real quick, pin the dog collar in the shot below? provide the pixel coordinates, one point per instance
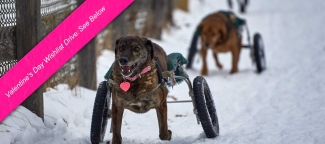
(145, 70)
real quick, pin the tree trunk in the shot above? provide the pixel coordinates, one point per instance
(159, 10)
(28, 35)
(119, 27)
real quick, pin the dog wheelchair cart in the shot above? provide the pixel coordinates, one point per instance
(256, 49)
(199, 92)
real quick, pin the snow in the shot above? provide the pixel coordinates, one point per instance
(284, 104)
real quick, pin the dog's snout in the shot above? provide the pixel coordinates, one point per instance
(206, 45)
(124, 60)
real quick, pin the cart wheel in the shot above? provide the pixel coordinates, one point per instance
(190, 58)
(259, 53)
(242, 7)
(205, 107)
(193, 48)
(246, 2)
(100, 114)
(230, 4)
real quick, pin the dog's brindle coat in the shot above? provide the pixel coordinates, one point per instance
(218, 33)
(140, 98)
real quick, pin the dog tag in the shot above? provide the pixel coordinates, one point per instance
(125, 86)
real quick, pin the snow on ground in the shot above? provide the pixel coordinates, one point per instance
(284, 104)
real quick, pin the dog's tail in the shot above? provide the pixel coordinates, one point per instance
(174, 61)
(193, 48)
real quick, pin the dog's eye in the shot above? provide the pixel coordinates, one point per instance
(136, 49)
(121, 48)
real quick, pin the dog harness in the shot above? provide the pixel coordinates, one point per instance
(233, 22)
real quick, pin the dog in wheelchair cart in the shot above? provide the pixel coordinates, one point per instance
(137, 83)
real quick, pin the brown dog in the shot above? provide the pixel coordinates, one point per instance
(135, 63)
(219, 33)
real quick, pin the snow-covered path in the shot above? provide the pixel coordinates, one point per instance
(284, 104)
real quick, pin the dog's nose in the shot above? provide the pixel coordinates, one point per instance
(124, 60)
(206, 45)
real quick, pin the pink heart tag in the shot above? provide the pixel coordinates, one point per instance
(125, 86)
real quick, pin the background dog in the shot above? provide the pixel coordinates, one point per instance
(133, 55)
(219, 33)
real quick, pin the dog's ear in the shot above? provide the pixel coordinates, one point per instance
(116, 43)
(223, 32)
(149, 46)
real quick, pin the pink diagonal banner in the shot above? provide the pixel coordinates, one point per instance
(55, 50)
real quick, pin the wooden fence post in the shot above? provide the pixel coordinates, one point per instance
(28, 35)
(87, 64)
(183, 5)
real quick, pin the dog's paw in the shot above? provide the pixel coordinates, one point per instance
(166, 136)
(204, 73)
(233, 71)
(117, 140)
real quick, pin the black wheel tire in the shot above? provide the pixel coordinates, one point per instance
(230, 4)
(190, 58)
(193, 48)
(246, 2)
(242, 8)
(259, 53)
(205, 107)
(100, 114)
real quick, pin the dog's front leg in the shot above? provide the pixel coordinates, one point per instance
(164, 133)
(117, 113)
(204, 55)
(219, 65)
